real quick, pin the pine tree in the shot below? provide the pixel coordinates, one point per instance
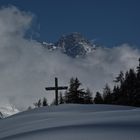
(137, 95)
(130, 87)
(120, 78)
(61, 99)
(98, 98)
(44, 103)
(88, 97)
(38, 103)
(107, 96)
(115, 95)
(29, 108)
(74, 94)
(70, 93)
(138, 70)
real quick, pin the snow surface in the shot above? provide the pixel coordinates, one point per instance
(8, 110)
(73, 122)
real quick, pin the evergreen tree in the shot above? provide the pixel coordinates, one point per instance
(74, 93)
(107, 96)
(44, 103)
(129, 88)
(88, 97)
(120, 78)
(137, 95)
(115, 94)
(138, 70)
(71, 92)
(29, 108)
(61, 99)
(98, 98)
(38, 103)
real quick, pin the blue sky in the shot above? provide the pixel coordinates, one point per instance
(109, 22)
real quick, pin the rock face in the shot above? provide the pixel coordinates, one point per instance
(75, 45)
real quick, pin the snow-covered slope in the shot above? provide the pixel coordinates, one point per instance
(73, 122)
(7, 110)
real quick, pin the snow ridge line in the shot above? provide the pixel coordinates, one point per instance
(92, 126)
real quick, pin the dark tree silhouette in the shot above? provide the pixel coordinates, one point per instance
(38, 103)
(74, 94)
(44, 103)
(127, 90)
(88, 97)
(137, 96)
(120, 78)
(115, 94)
(138, 69)
(61, 99)
(98, 98)
(107, 97)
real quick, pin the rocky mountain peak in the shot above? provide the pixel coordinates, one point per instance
(75, 44)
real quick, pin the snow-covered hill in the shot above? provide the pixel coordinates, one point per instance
(73, 122)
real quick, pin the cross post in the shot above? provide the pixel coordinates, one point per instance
(56, 88)
(56, 91)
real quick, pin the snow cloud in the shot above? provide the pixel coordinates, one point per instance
(26, 67)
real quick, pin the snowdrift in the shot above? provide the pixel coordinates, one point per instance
(73, 122)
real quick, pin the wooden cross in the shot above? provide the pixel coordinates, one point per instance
(56, 88)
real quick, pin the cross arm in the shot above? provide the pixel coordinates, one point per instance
(58, 88)
(50, 88)
(61, 88)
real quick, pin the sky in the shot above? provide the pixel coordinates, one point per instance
(108, 22)
(26, 67)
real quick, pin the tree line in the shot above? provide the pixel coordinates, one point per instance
(126, 91)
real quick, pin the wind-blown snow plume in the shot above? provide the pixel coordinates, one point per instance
(26, 67)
